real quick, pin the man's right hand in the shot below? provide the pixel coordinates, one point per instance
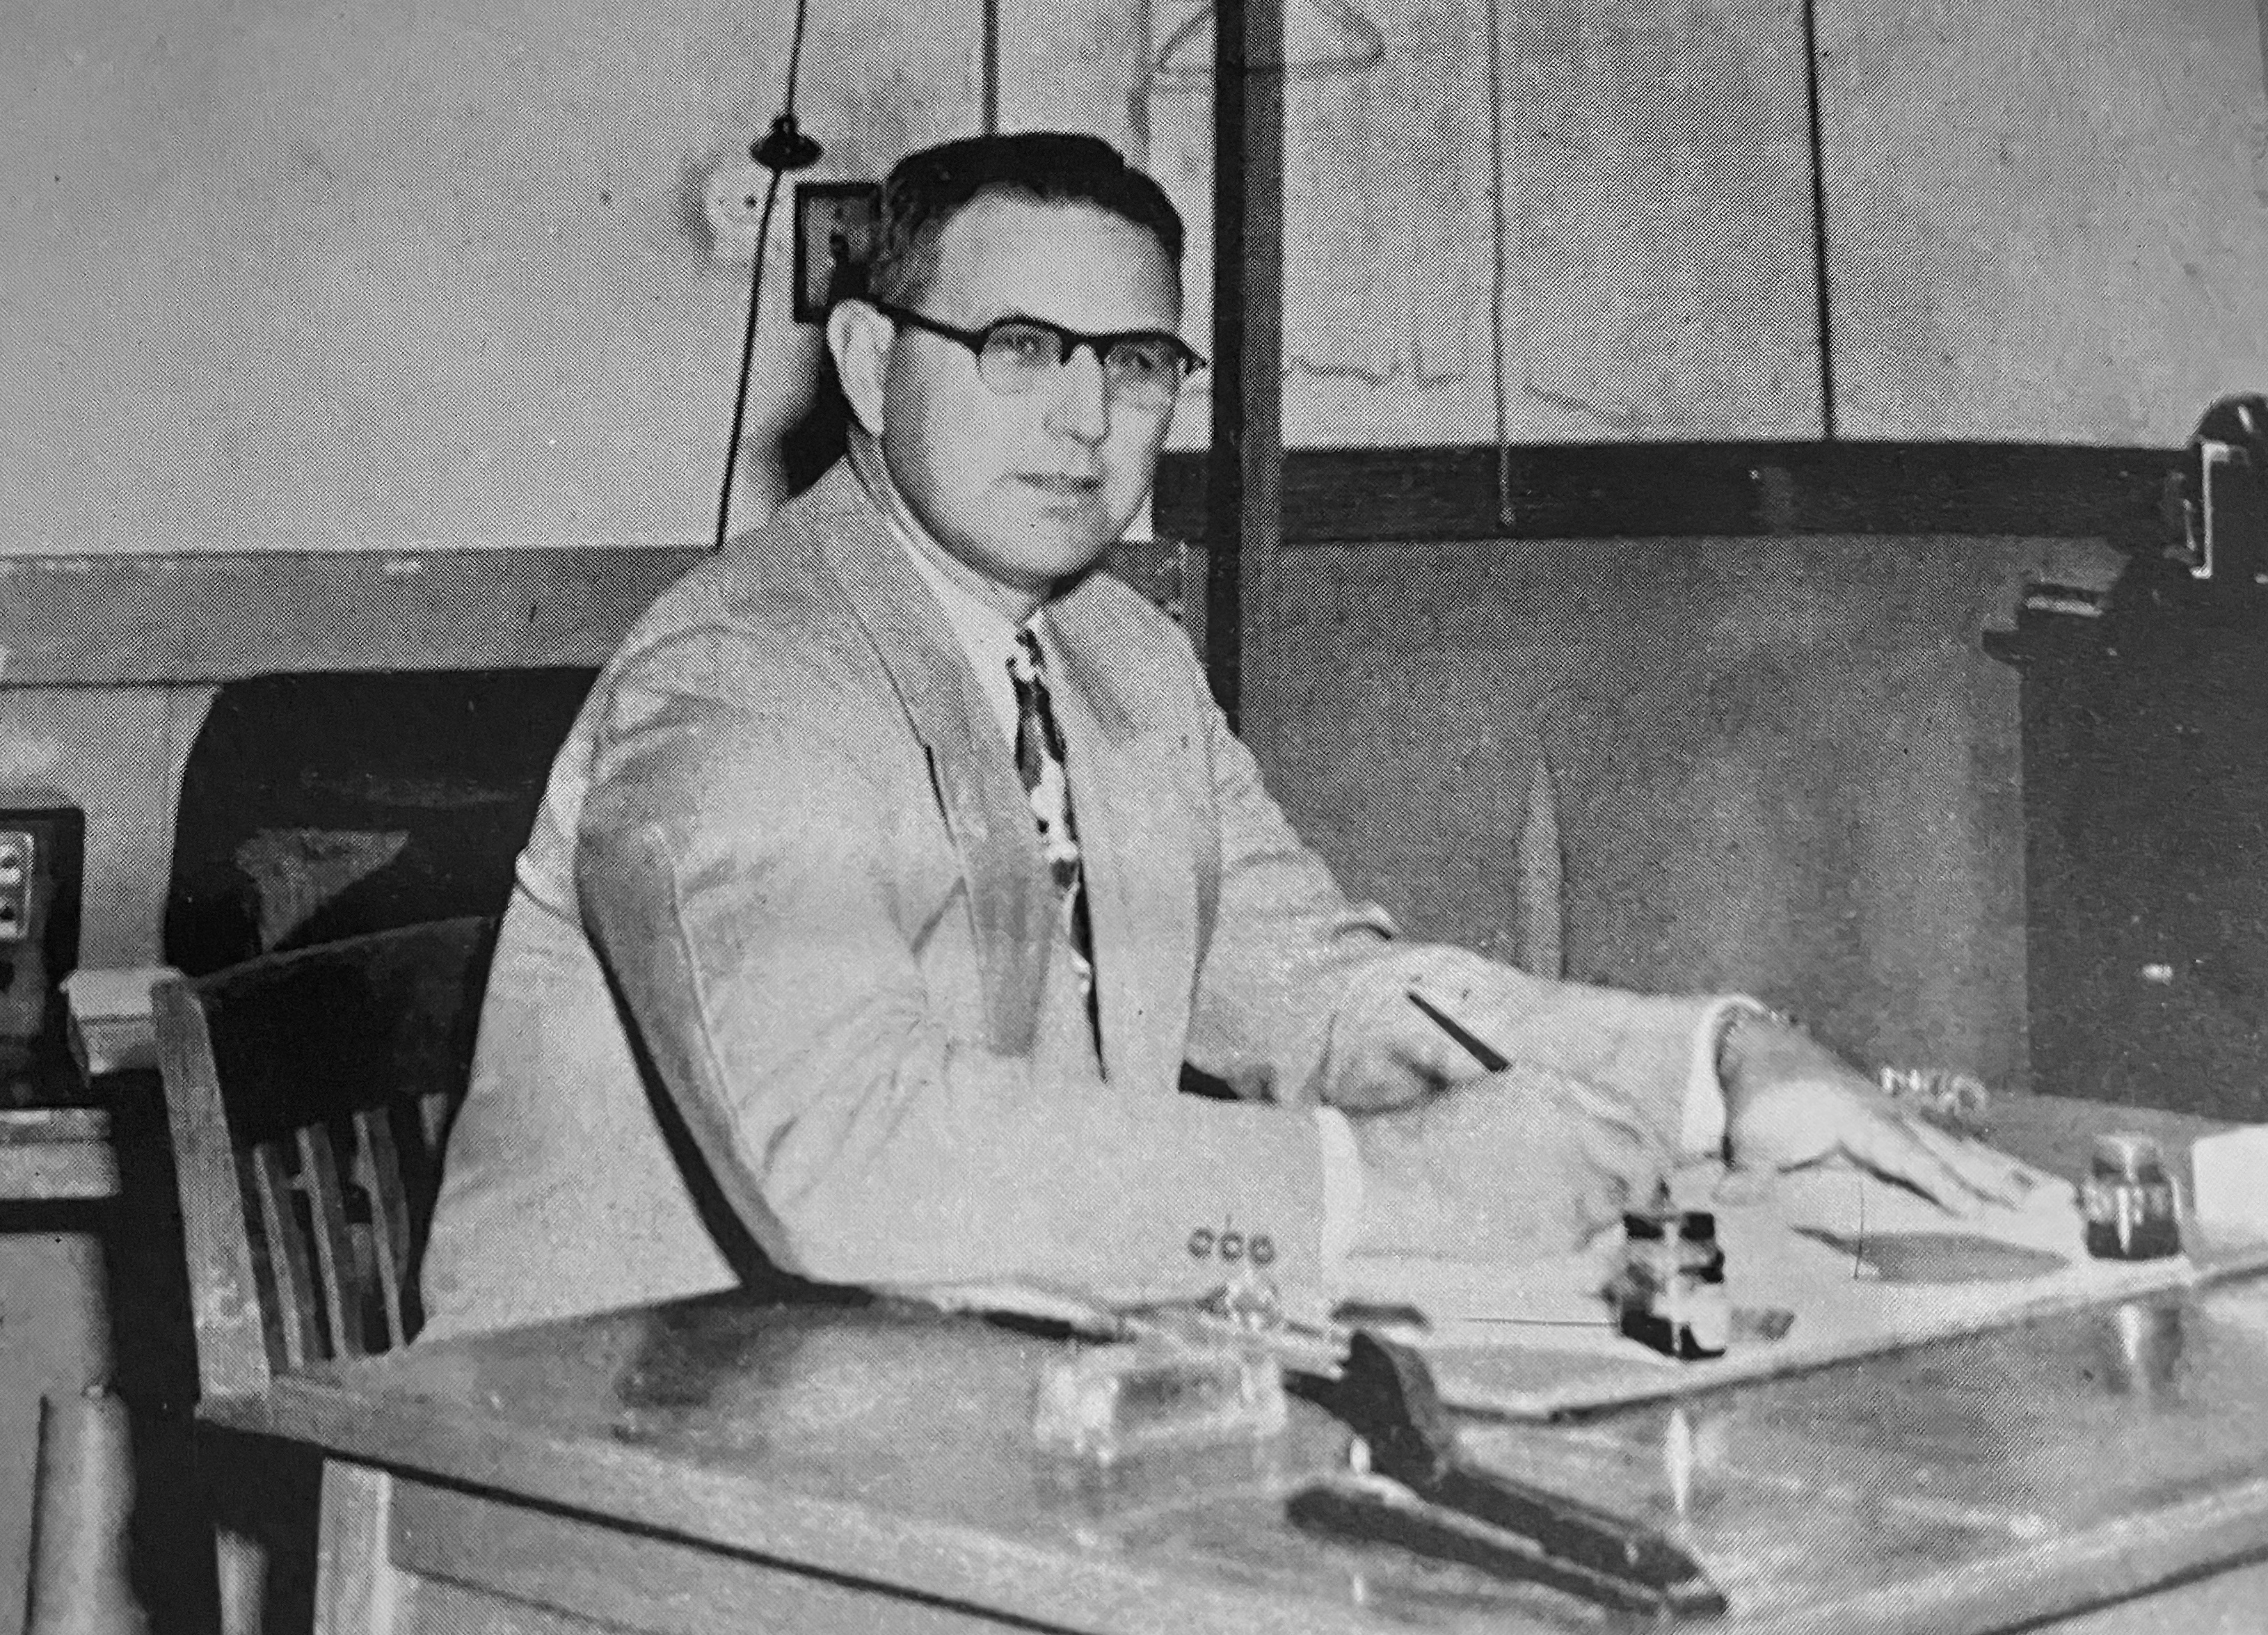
(1385, 1052)
(1514, 1165)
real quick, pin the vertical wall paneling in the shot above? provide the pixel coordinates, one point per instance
(1655, 191)
(1655, 169)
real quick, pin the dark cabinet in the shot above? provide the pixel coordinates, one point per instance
(2145, 800)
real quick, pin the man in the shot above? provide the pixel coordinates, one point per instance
(900, 860)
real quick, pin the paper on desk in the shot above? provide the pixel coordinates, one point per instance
(1796, 1244)
(2228, 1200)
(1553, 1304)
(1864, 1266)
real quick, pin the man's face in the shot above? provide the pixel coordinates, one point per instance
(1028, 489)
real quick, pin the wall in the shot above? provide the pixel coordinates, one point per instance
(2045, 221)
(289, 276)
(286, 274)
(109, 663)
(1652, 185)
(117, 753)
(1783, 765)
(292, 274)
(2047, 216)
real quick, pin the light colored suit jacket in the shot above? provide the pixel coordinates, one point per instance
(782, 968)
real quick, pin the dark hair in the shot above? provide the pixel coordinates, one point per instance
(927, 189)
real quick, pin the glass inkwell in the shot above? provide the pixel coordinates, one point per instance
(2128, 1201)
(1669, 1292)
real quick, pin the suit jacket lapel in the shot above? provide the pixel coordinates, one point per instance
(1011, 897)
(1135, 843)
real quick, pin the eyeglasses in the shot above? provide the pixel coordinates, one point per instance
(1141, 368)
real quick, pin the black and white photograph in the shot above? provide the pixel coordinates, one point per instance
(1309, 817)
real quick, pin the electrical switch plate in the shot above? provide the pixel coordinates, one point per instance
(733, 201)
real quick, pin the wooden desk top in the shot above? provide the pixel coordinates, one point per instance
(1962, 1486)
(50, 1154)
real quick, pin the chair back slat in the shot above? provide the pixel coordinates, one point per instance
(393, 1194)
(308, 1095)
(339, 1284)
(434, 1113)
(282, 1244)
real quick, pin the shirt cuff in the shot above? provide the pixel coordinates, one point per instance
(1342, 1193)
(1701, 1133)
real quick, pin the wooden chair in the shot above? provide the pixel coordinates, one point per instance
(308, 1094)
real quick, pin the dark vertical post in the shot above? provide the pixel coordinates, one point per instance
(1244, 471)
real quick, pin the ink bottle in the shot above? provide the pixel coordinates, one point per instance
(1669, 1293)
(1641, 1283)
(2128, 1201)
(1704, 1316)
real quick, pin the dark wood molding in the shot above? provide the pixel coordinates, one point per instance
(1666, 489)
(135, 620)
(1243, 472)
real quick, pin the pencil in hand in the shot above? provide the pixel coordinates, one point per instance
(1479, 1048)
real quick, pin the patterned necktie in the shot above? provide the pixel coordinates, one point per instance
(1040, 763)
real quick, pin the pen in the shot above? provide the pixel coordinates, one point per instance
(1479, 1048)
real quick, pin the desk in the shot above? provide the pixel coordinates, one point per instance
(59, 1175)
(718, 1464)
(56, 1154)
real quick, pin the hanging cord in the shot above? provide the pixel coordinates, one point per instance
(1822, 269)
(783, 149)
(1499, 253)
